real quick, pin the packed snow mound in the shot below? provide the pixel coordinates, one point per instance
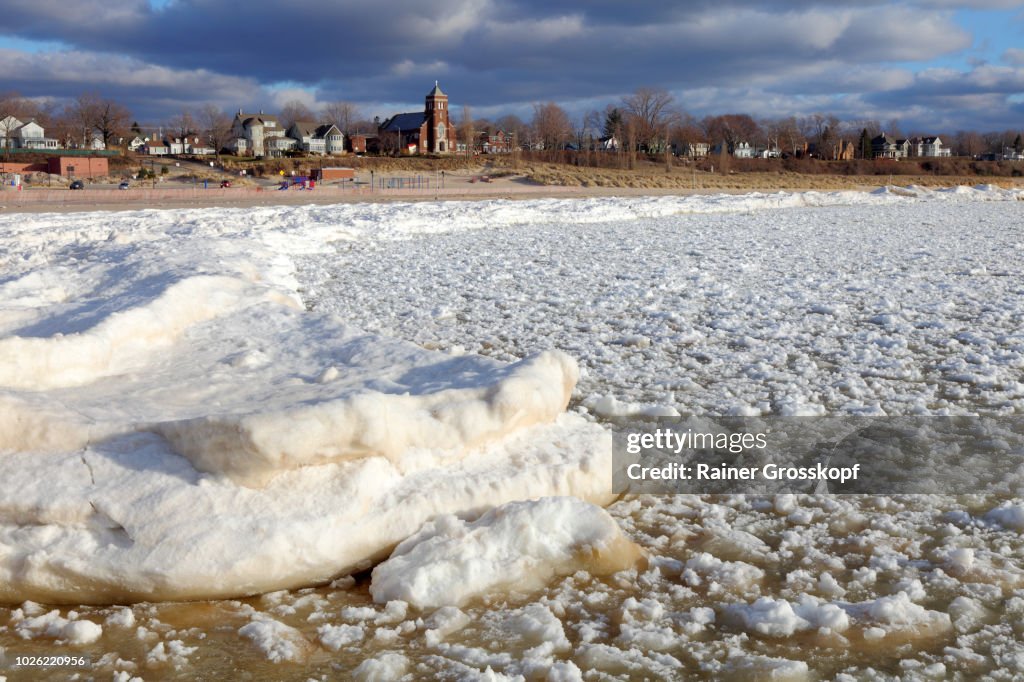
(252, 448)
(517, 546)
(124, 341)
(175, 424)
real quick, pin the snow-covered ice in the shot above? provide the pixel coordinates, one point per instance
(902, 301)
(518, 546)
(167, 400)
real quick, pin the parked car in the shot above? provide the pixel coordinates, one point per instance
(77, 184)
(124, 185)
(225, 183)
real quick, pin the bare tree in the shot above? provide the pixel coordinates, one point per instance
(651, 110)
(183, 124)
(342, 114)
(731, 129)
(216, 126)
(467, 129)
(551, 124)
(107, 118)
(293, 111)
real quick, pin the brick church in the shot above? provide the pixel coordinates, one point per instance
(427, 132)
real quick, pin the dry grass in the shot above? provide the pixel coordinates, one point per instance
(654, 177)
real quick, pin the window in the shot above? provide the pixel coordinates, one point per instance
(440, 131)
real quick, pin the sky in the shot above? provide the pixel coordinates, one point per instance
(932, 65)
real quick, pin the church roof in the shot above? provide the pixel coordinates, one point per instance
(436, 92)
(409, 122)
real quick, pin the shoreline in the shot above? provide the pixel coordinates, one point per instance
(83, 201)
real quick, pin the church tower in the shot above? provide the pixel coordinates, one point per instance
(440, 134)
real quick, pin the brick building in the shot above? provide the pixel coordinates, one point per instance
(78, 166)
(428, 132)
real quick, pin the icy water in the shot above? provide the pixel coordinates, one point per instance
(899, 309)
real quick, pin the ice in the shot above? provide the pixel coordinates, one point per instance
(516, 546)
(1009, 516)
(169, 397)
(277, 641)
(384, 668)
(837, 303)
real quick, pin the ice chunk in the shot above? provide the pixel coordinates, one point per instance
(519, 546)
(254, 447)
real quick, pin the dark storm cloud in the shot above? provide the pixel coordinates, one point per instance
(501, 53)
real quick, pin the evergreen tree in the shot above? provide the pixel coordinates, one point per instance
(865, 145)
(136, 128)
(613, 123)
(1018, 144)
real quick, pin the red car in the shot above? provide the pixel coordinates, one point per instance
(225, 183)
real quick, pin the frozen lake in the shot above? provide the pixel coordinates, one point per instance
(895, 303)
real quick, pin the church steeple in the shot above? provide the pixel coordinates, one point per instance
(440, 135)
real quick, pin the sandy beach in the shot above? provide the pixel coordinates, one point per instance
(458, 186)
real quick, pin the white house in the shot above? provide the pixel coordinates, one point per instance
(136, 142)
(1011, 154)
(27, 135)
(322, 138)
(932, 146)
(175, 145)
(696, 149)
(196, 146)
(743, 150)
(154, 147)
(258, 134)
(30, 136)
(8, 124)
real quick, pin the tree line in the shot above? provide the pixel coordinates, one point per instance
(648, 120)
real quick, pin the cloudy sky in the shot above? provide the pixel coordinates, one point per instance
(935, 65)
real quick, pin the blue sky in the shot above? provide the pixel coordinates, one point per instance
(933, 65)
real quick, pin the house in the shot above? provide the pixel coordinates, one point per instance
(886, 147)
(742, 150)
(196, 146)
(8, 124)
(497, 142)
(429, 131)
(258, 135)
(695, 149)
(1011, 154)
(136, 143)
(30, 136)
(932, 146)
(608, 144)
(27, 135)
(317, 138)
(175, 145)
(154, 147)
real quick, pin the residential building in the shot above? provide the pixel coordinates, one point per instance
(932, 146)
(317, 138)
(27, 135)
(154, 147)
(258, 135)
(196, 146)
(695, 149)
(429, 132)
(886, 147)
(497, 142)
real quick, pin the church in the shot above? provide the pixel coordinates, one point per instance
(428, 132)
